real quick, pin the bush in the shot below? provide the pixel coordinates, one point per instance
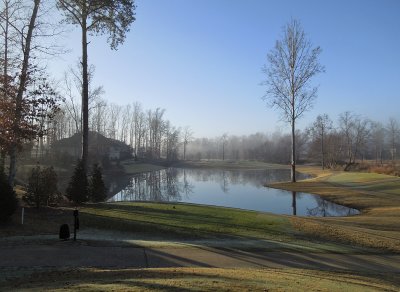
(42, 187)
(8, 200)
(385, 169)
(97, 189)
(77, 190)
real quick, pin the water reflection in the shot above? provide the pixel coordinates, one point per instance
(237, 188)
(163, 186)
(294, 203)
(325, 208)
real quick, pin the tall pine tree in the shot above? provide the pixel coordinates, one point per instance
(77, 190)
(97, 189)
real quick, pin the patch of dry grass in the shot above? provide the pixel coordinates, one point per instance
(202, 279)
(377, 196)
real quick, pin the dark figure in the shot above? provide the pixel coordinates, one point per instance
(76, 222)
(64, 232)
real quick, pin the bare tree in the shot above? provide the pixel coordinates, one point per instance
(393, 130)
(292, 64)
(187, 138)
(97, 17)
(23, 76)
(320, 128)
(378, 139)
(224, 141)
(355, 132)
(114, 113)
(138, 127)
(72, 91)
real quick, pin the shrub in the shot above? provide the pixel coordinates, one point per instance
(42, 187)
(8, 200)
(77, 190)
(97, 189)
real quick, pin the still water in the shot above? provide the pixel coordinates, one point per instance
(234, 188)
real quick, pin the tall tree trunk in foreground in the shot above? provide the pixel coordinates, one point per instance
(20, 93)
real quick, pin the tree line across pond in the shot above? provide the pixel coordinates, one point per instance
(350, 139)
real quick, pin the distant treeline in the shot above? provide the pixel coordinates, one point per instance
(343, 141)
(350, 138)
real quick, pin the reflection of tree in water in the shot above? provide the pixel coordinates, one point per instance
(294, 205)
(161, 186)
(325, 209)
(224, 182)
(187, 186)
(172, 183)
(257, 178)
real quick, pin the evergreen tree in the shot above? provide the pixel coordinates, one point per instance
(97, 189)
(77, 190)
(49, 180)
(34, 195)
(8, 200)
(42, 187)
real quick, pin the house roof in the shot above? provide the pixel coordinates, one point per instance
(95, 139)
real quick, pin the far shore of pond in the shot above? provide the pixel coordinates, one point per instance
(131, 167)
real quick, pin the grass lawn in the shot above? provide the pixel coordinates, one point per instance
(186, 220)
(376, 195)
(378, 226)
(186, 223)
(202, 279)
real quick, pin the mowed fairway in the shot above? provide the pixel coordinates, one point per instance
(377, 196)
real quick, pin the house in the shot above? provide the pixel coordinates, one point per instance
(99, 147)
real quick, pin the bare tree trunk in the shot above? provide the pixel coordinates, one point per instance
(85, 95)
(322, 149)
(5, 73)
(21, 90)
(293, 164)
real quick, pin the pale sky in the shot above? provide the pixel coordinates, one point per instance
(201, 60)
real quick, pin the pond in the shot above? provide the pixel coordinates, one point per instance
(242, 189)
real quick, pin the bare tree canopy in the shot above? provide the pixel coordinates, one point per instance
(98, 17)
(319, 129)
(187, 138)
(291, 65)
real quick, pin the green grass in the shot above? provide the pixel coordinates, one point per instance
(379, 183)
(201, 279)
(189, 223)
(187, 219)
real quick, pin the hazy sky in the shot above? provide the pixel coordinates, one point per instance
(201, 60)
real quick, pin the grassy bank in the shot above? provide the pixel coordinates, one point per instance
(202, 279)
(163, 223)
(377, 196)
(134, 167)
(184, 220)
